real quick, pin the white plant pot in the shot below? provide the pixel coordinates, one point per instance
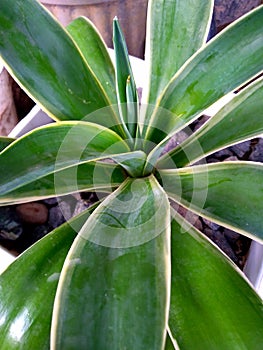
(254, 266)
(6, 259)
(35, 118)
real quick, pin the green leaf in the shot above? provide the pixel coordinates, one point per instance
(228, 193)
(132, 162)
(95, 52)
(119, 263)
(172, 37)
(212, 304)
(5, 141)
(132, 111)
(99, 176)
(41, 55)
(53, 148)
(224, 63)
(125, 83)
(240, 120)
(28, 287)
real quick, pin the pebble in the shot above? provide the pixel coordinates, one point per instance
(200, 121)
(175, 141)
(51, 201)
(241, 149)
(59, 214)
(231, 159)
(211, 224)
(80, 207)
(219, 239)
(223, 154)
(190, 217)
(10, 224)
(32, 213)
(257, 153)
(231, 236)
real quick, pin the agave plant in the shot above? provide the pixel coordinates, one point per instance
(130, 272)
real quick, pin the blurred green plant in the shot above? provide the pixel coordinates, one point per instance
(131, 272)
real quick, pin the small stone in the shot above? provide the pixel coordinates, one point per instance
(231, 159)
(211, 160)
(208, 232)
(211, 224)
(10, 224)
(239, 244)
(223, 154)
(241, 149)
(51, 201)
(257, 153)
(175, 140)
(231, 236)
(219, 239)
(198, 224)
(56, 218)
(80, 207)
(59, 214)
(192, 218)
(33, 213)
(223, 244)
(77, 196)
(201, 121)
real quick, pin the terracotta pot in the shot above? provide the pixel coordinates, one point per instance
(8, 115)
(101, 13)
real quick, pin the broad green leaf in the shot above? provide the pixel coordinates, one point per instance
(99, 176)
(95, 52)
(125, 83)
(212, 304)
(175, 31)
(28, 287)
(41, 55)
(224, 63)
(5, 141)
(241, 119)
(53, 148)
(228, 193)
(114, 287)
